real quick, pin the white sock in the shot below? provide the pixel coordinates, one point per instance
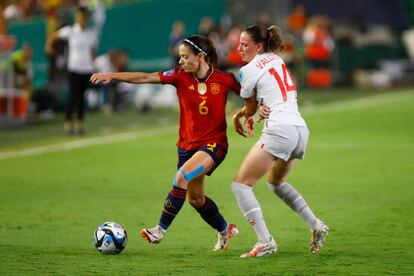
(295, 201)
(250, 208)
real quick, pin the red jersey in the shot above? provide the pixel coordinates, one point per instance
(202, 106)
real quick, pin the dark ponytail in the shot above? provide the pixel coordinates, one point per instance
(270, 37)
(84, 11)
(200, 44)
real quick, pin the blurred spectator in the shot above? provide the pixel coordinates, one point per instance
(44, 103)
(296, 20)
(82, 42)
(18, 10)
(114, 96)
(219, 40)
(21, 60)
(264, 19)
(234, 58)
(121, 60)
(294, 47)
(50, 8)
(120, 100)
(106, 62)
(98, 15)
(319, 47)
(14, 11)
(408, 39)
(174, 40)
(319, 44)
(206, 26)
(92, 4)
(3, 21)
(289, 52)
(29, 8)
(57, 84)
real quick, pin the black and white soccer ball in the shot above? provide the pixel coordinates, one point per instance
(110, 238)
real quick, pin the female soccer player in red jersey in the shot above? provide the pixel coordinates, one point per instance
(202, 145)
(265, 78)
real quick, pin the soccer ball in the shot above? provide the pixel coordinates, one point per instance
(110, 238)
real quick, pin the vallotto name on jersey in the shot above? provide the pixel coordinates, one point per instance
(265, 60)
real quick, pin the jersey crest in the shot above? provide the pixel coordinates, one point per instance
(214, 88)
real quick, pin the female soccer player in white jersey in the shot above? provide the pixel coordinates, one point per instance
(266, 79)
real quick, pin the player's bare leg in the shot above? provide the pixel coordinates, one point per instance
(256, 164)
(195, 192)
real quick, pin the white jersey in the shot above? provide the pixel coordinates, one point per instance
(267, 77)
(81, 43)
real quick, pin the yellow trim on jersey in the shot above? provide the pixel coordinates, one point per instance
(212, 71)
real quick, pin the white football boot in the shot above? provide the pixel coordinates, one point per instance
(318, 235)
(225, 237)
(262, 249)
(153, 235)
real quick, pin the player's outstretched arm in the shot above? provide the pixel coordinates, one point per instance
(131, 77)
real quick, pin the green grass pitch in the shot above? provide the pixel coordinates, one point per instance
(358, 176)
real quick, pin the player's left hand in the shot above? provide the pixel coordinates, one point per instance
(264, 112)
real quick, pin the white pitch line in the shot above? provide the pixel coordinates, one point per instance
(82, 143)
(321, 145)
(358, 103)
(358, 146)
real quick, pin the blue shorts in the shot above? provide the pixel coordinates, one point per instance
(217, 152)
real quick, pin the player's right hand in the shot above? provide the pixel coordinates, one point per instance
(101, 78)
(238, 127)
(249, 123)
(264, 112)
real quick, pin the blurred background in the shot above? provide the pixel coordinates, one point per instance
(330, 46)
(353, 65)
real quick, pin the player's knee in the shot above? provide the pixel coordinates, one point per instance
(276, 180)
(180, 180)
(196, 201)
(237, 186)
(246, 180)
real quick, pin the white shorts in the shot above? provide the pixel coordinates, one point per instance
(285, 141)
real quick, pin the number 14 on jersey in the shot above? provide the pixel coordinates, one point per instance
(287, 84)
